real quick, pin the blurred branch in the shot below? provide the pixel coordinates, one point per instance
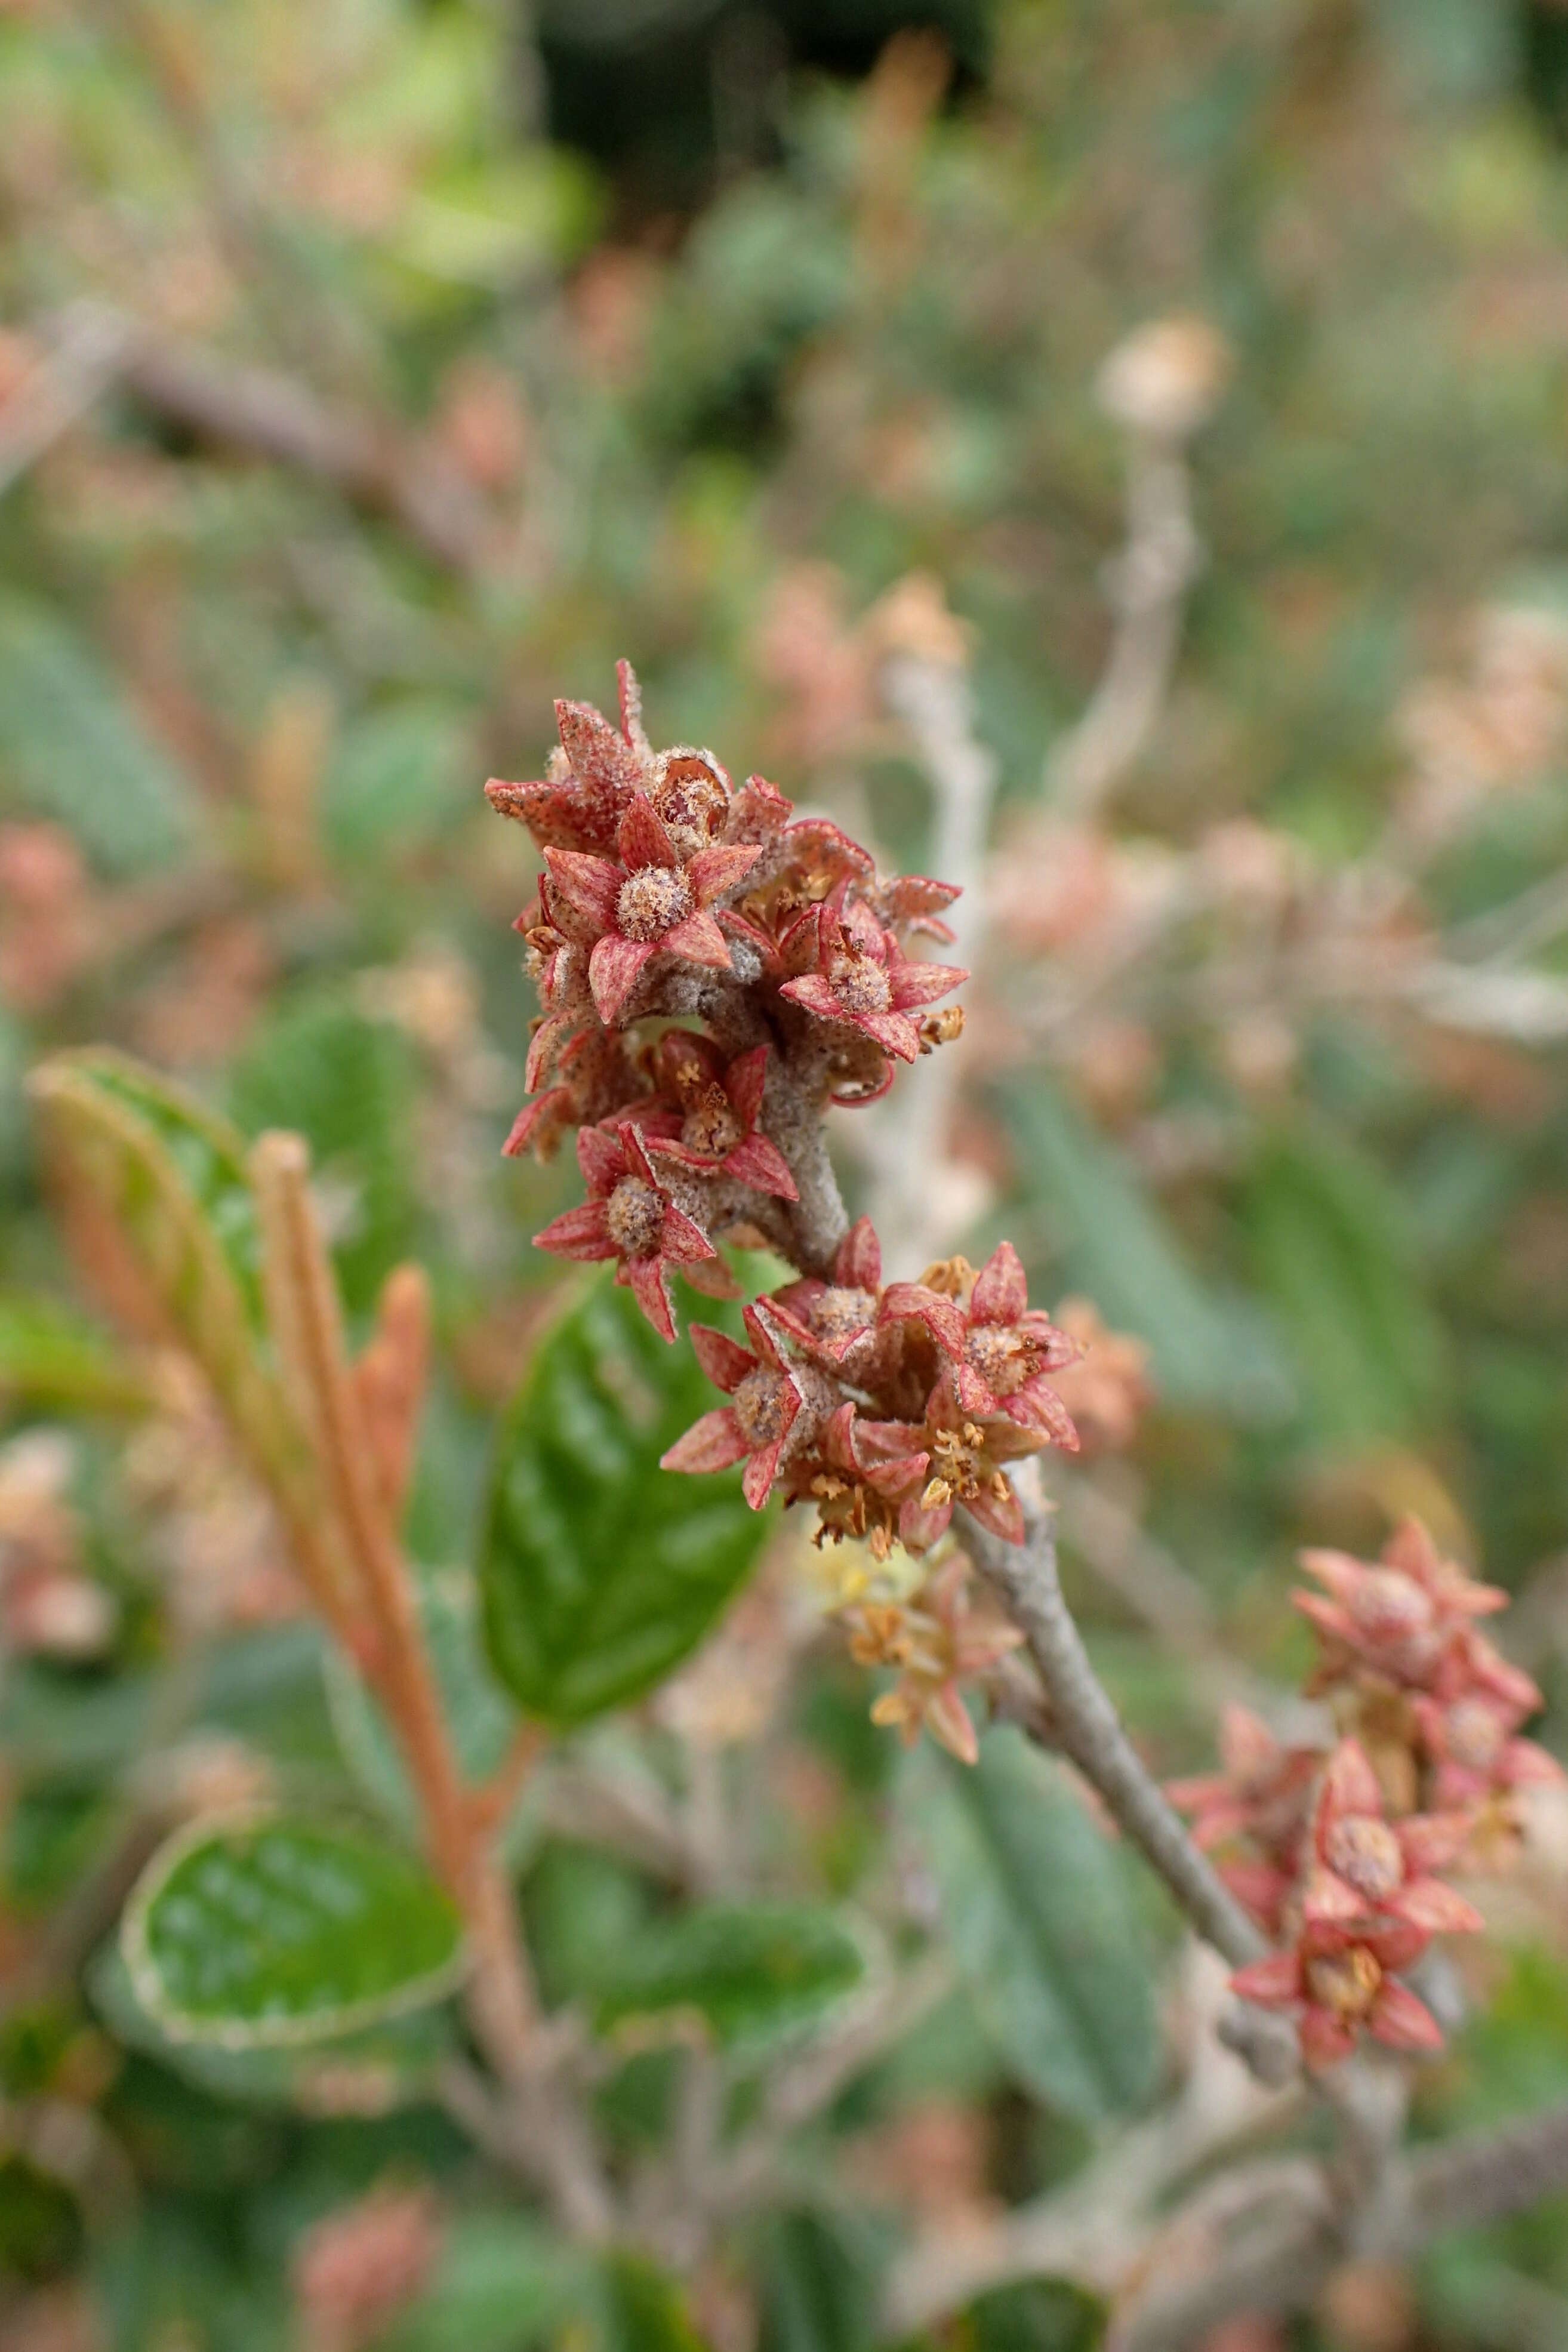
(1160, 385)
(256, 412)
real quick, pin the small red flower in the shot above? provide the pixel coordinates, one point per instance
(628, 1216)
(715, 1130)
(968, 1464)
(937, 1640)
(833, 1321)
(592, 1081)
(778, 1407)
(1470, 1723)
(1340, 1984)
(647, 902)
(1397, 1615)
(1367, 1870)
(1005, 1348)
(852, 971)
(592, 777)
(1261, 1793)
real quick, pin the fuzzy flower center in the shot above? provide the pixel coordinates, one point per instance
(1391, 1606)
(711, 1124)
(761, 1406)
(652, 900)
(859, 983)
(841, 1312)
(1346, 1983)
(1000, 1356)
(1365, 1852)
(634, 1217)
(1475, 1735)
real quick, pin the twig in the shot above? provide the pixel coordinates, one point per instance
(1090, 1731)
(82, 357)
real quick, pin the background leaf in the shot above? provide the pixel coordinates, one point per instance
(1040, 1916)
(271, 1931)
(600, 1572)
(752, 1970)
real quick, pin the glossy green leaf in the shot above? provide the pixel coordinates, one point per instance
(267, 1931)
(749, 1970)
(372, 2072)
(600, 1572)
(1042, 1920)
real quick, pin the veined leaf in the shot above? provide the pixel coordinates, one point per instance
(266, 1931)
(749, 1970)
(600, 1572)
(1043, 1924)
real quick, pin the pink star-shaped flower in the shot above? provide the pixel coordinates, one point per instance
(1367, 1870)
(716, 1130)
(851, 970)
(647, 902)
(770, 1394)
(628, 1216)
(1339, 1985)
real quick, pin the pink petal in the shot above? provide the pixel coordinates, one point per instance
(1395, 1944)
(1431, 1842)
(670, 1147)
(1002, 1514)
(724, 1360)
(1427, 1903)
(918, 1530)
(1525, 1764)
(1001, 1287)
(543, 1047)
(614, 971)
(923, 983)
(1270, 1982)
(643, 840)
(758, 1161)
(649, 1286)
(813, 995)
(757, 1479)
(894, 1032)
(868, 1093)
(1325, 2042)
(630, 697)
(602, 1156)
(713, 1443)
(942, 1317)
(743, 1083)
(600, 756)
(580, 1232)
(1350, 1784)
(947, 1720)
(858, 1264)
(1036, 1405)
(529, 1117)
(700, 940)
(1329, 1901)
(591, 884)
(714, 871)
(1402, 2021)
(974, 1391)
(682, 1240)
(760, 803)
(710, 1277)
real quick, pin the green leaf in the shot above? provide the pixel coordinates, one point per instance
(1042, 1923)
(502, 2284)
(599, 1570)
(1116, 1246)
(395, 783)
(170, 1179)
(370, 2073)
(72, 749)
(751, 1970)
(642, 2311)
(1036, 2316)
(349, 1086)
(819, 2286)
(1331, 1243)
(264, 1931)
(54, 1360)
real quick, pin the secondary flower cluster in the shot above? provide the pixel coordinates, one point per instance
(885, 1405)
(1337, 1853)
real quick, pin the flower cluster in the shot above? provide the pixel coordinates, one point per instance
(1337, 1852)
(937, 1639)
(713, 973)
